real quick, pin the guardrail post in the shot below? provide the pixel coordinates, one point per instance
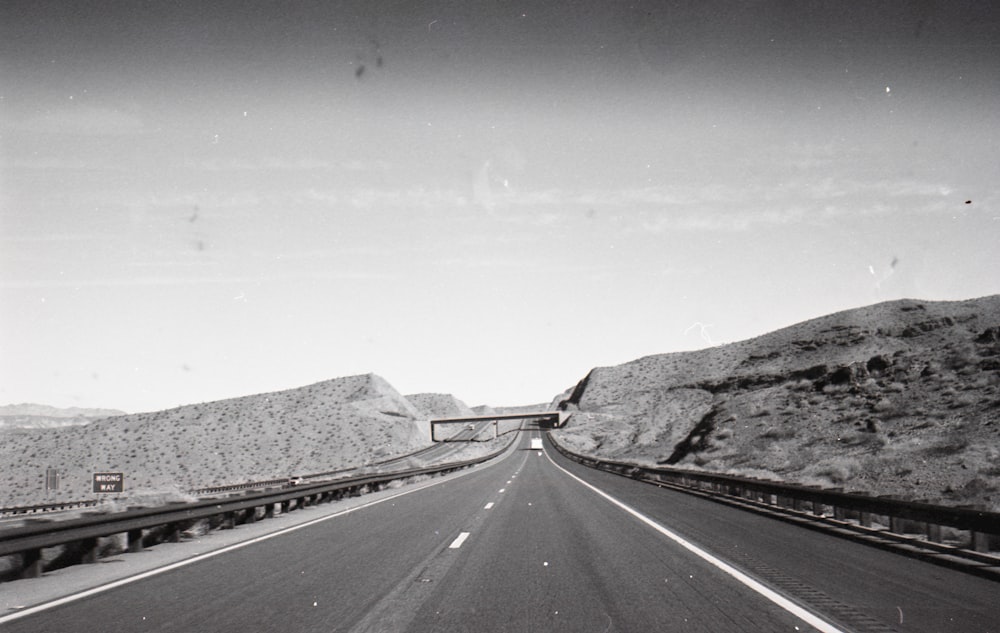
(135, 541)
(31, 564)
(933, 533)
(228, 521)
(865, 519)
(88, 549)
(269, 510)
(895, 525)
(173, 533)
(286, 507)
(980, 542)
(250, 516)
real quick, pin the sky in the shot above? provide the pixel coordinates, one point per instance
(202, 201)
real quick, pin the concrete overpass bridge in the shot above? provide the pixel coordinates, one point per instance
(475, 425)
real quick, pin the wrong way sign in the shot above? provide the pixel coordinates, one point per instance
(109, 482)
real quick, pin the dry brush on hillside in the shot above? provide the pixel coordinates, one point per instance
(900, 398)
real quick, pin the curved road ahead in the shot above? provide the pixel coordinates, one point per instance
(534, 542)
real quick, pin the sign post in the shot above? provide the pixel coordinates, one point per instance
(51, 479)
(109, 482)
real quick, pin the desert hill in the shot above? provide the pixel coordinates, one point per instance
(43, 416)
(439, 405)
(329, 425)
(899, 398)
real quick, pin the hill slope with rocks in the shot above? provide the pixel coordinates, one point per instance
(900, 398)
(335, 424)
(437, 405)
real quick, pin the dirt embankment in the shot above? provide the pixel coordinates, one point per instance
(334, 424)
(900, 398)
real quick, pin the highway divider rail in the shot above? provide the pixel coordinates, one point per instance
(79, 539)
(959, 537)
(47, 507)
(211, 490)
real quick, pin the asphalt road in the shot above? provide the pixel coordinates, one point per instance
(524, 545)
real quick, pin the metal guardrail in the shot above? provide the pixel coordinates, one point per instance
(973, 532)
(47, 507)
(147, 526)
(247, 485)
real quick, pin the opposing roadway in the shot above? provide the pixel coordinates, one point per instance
(534, 542)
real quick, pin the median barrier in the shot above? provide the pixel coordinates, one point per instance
(47, 507)
(147, 526)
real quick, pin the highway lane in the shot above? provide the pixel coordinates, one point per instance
(556, 557)
(865, 587)
(540, 551)
(318, 578)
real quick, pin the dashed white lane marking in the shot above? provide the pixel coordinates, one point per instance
(199, 557)
(811, 618)
(502, 490)
(459, 540)
(508, 482)
(488, 506)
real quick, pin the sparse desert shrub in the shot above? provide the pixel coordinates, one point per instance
(883, 404)
(947, 446)
(964, 400)
(779, 433)
(836, 471)
(960, 357)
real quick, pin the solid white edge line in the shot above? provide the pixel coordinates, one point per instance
(459, 540)
(200, 557)
(807, 616)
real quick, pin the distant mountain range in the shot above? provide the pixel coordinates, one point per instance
(43, 416)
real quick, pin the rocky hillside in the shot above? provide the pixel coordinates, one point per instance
(326, 426)
(437, 405)
(900, 398)
(38, 416)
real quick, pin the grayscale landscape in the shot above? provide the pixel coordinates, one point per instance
(387, 316)
(900, 398)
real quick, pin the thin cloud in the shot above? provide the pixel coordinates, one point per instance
(272, 164)
(84, 121)
(34, 284)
